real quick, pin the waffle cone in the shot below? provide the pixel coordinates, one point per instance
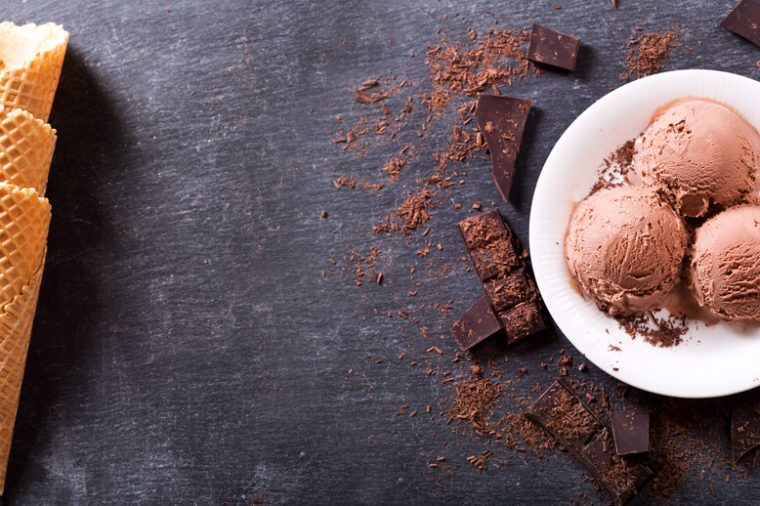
(24, 221)
(16, 320)
(26, 149)
(31, 57)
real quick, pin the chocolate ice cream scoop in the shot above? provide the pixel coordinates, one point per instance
(624, 247)
(700, 155)
(725, 264)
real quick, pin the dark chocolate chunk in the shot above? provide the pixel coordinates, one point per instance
(478, 324)
(630, 428)
(502, 120)
(502, 268)
(522, 320)
(553, 48)
(490, 244)
(509, 290)
(745, 430)
(621, 477)
(483, 229)
(744, 21)
(561, 412)
(495, 260)
(565, 415)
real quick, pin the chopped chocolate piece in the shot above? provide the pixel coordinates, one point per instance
(619, 476)
(745, 430)
(478, 323)
(561, 412)
(553, 48)
(502, 268)
(502, 120)
(566, 416)
(506, 291)
(744, 21)
(490, 244)
(495, 259)
(522, 320)
(483, 229)
(630, 428)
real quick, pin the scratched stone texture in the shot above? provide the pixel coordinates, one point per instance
(186, 349)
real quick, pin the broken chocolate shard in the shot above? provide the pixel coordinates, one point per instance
(744, 21)
(503, 269)
(483, 229)
(522, 320)
(494, 260)
(562, 413)
(630, 429)
(553, 48)
(502, 120)
(490, 244)
(621, 477)
(509, 290)
(745, 430)
(478, 324)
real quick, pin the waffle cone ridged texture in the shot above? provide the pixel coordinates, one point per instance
(31, 58)
(16, 320)
(26, 149)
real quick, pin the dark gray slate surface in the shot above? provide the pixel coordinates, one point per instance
(186, 349)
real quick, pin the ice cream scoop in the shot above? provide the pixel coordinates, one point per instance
(725, 264)
(625, 247)
(699, 154)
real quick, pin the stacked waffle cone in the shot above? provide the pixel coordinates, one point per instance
(31, 57)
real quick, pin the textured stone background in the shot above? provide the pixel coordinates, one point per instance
(186, 348)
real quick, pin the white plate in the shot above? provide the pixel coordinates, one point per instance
(713, 361)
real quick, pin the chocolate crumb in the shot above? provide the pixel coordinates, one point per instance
(664, 332)
(475, 397)
(615, 167)
(646, 53)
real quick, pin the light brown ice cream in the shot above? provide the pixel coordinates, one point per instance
(625, 247)
(700, 155)
(725, 264)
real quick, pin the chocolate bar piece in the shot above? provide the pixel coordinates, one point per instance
(509, 290)
(496, 259)
(522, 320)
(478, 324)
(621, 477)
(565, 416)
(502, 120)
(506, 279)
(561, 412)
(483, 229)
(630, 429)
(553, 48)
(490, 244)
(744, 21)
(745, 430)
